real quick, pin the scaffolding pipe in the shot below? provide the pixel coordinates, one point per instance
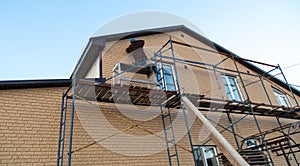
(180, 96)
(212, 51)
(233, 131)
(226, 128)
(277, 118)
(252, 111)
(207, 64)
(72, 123)
(265, 89)
(286, 82)
(291, 150)
(230, 153)
(223, 60)
(164, 45)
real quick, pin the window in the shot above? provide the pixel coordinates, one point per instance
(165, 77)
(205, 155)
(231, 88)
(281, 98)
(250, 143)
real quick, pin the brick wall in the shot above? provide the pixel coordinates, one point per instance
(29, 126)
(30, 123)
(30, 118)
(206, 80)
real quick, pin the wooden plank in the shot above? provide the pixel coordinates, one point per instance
(230, 153)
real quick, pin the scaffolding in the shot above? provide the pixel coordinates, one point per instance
(139, 95)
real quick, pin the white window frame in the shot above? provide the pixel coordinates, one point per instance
(162, 75)
(202, 153)
(230, 89)
(278, 94)
(254, 143)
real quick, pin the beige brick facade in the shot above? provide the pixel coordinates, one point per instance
(29, 124)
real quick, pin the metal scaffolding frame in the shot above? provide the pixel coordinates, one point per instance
(247, 104)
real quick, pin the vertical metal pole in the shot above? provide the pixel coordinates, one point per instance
(172, 130)
(291, 149)
(166, 135)
(277, 118)
(227, 112)
(64, 130)
(100, 65)
(60, 129)
(294, 97)
(71, 123)
(182, 105)
(285, 157)
(232, 128)
(252, 111)
(265, 89)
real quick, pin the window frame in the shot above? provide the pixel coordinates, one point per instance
(162, 73)
(202, 154)
(254, 141)
(279, 93)
(230, 88)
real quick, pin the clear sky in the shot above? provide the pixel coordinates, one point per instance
(43, 39)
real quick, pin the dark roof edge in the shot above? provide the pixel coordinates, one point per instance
(41, 83)
(137, 33)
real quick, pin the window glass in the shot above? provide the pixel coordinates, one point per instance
(198, 157)
(165, 77)
(227, 88)
(210, 156)
(281, 98)
(231, 88)
(169, 79)
(205, 156)
(168, 69)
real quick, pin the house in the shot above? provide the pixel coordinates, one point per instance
(126, 104)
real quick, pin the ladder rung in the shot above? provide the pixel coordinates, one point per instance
(173, 155)
(160, 79)
(168, 128)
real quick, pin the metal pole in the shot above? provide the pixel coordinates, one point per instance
(182, 105)
(265, 89)
(226, 128)
(294, 97)
(233, 131)
(291, 149)
(252, 111)
(285, 157)
(60, 129)
(71, 123)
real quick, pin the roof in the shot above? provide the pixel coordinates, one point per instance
(97, 43)
(43, 83)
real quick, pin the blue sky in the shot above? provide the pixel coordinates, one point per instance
(43, 39)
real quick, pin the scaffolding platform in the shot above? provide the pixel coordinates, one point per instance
(281, 145)
(91, 90)
(211, 104)
(126, 94)
(155, 93)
